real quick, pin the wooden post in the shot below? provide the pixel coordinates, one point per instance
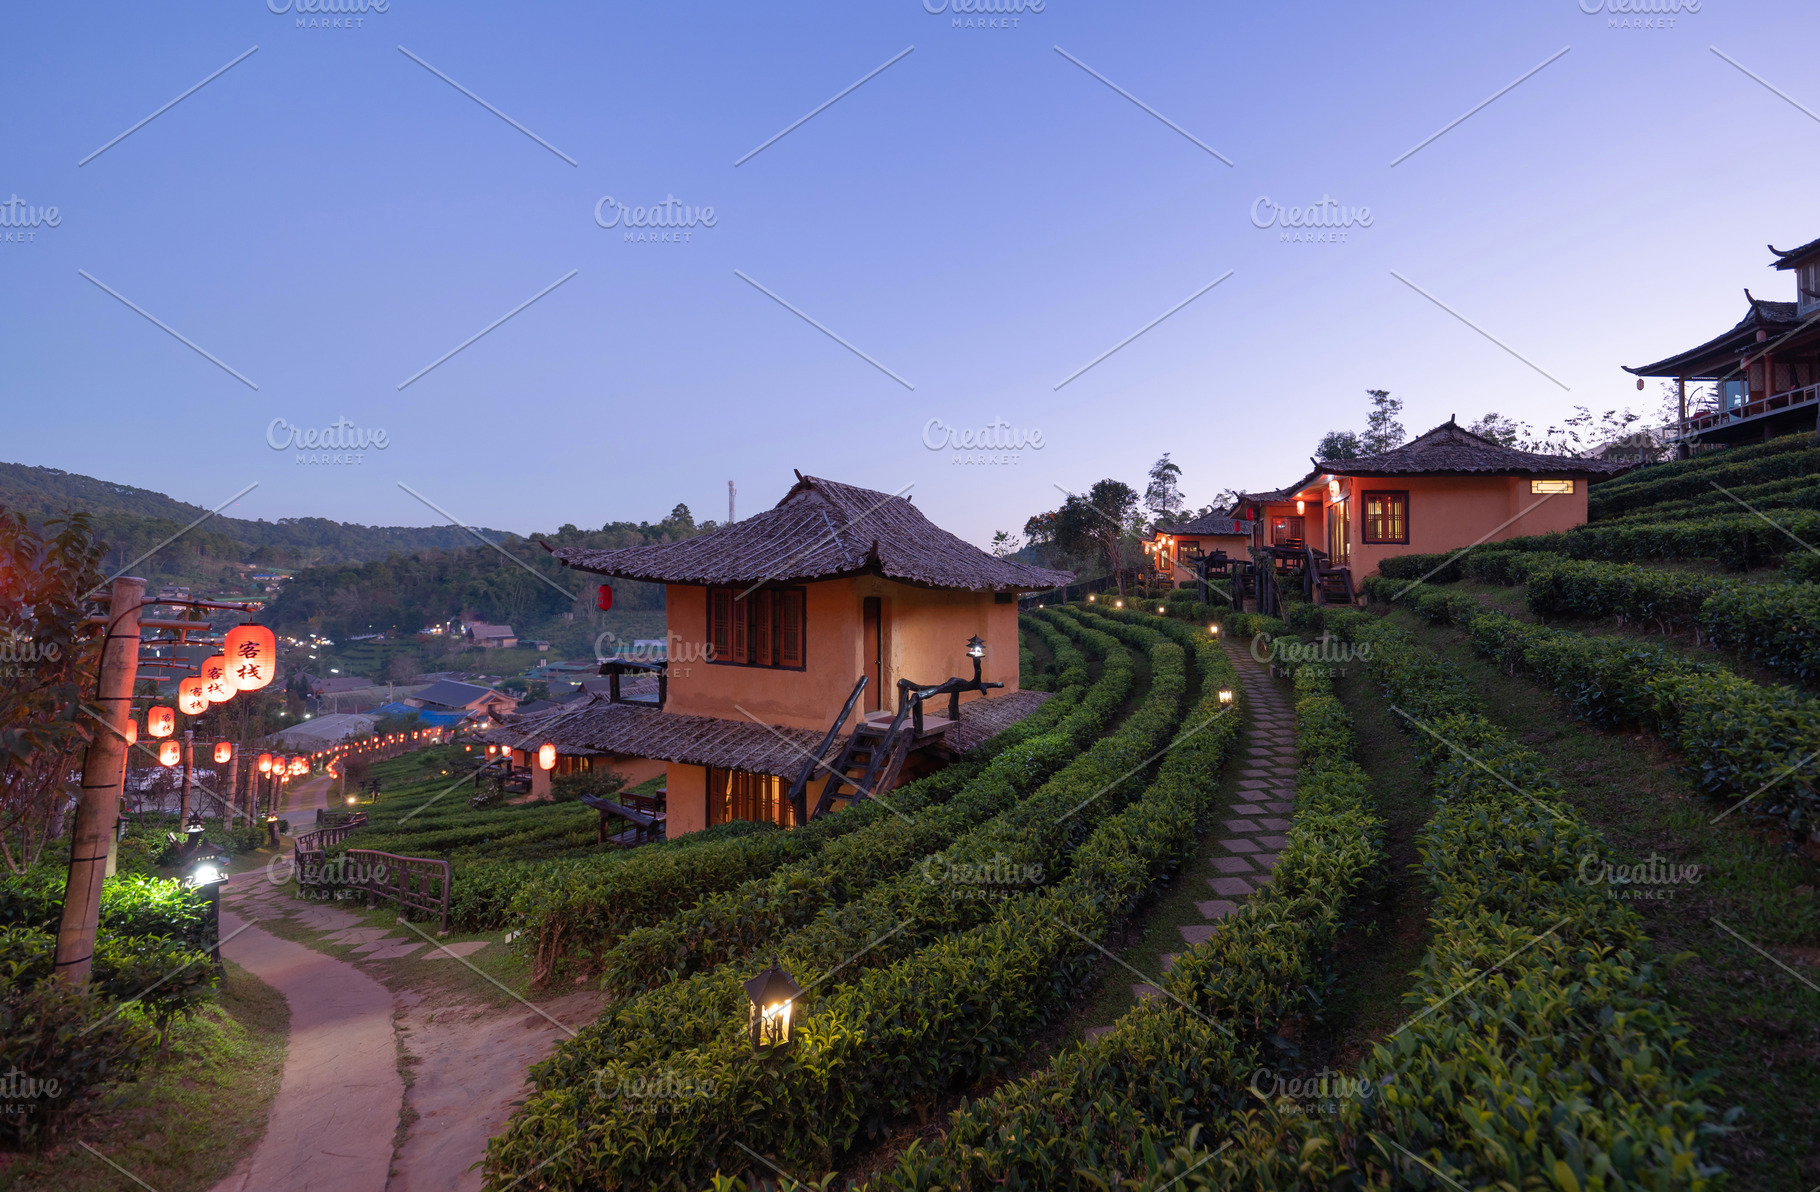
(189, 766)
(98, 806)
(1681, 448)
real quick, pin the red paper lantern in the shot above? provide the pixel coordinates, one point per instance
(224, 753)
(191, 698)
(252, 656)
(603, 598)
(169, 753)
(160, 721)
(265, 763)
(217, 681)
(132, 732)
(546, 756)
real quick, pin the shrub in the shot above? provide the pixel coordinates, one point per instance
(957, 1001)
(54, 1065)
(1169, 1067)
(599, 784)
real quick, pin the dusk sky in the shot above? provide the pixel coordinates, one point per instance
(982, 218)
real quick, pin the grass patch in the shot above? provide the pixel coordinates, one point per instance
(1376, 958)
(1757, 1025)
(192, 1115)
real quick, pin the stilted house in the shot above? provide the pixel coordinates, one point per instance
(1764, 372)
(1445, 490)
(828, 649)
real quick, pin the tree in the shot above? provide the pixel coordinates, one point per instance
(1338, 444)
(1098, 524)
(1382, 430)
(50, 659)
(1003, 544)
(1163, 495)
(1506, 432)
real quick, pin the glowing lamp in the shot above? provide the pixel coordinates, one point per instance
(252, 656)
(132, 732)
(224, 752)
(772, 994)
(603, 598)
(1214, 629)
(169, 753)
(353, 799)
(975, 647)
(1118, 604)
(1333, 489)
(1225, 697)
(265, 763)
(159, 721)
(217, 682)
(491, 749)
(1090, 597)
(191, 699)
(1159, 609)
(546, 756)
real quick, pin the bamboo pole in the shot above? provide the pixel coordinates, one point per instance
(98, 806)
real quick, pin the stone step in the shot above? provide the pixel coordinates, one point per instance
(1216, 908)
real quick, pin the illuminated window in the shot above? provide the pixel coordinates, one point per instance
(1551, 486)
(1386, 517)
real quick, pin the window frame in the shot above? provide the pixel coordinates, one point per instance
(742, 633)
(1365, 518)
(1535, 489)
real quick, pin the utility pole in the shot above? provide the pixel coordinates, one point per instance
(98, 805)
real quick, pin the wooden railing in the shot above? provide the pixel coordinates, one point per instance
(320, 840)
(1787, 399)
(419, 883)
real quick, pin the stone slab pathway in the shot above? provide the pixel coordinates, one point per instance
(1248, 843)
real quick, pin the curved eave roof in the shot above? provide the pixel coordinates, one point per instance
(1720, 353)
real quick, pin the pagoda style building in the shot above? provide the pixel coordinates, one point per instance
(1764, 371)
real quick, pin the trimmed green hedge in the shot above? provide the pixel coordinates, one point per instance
(1787, 456)
(1100, 1111)
(1543, 1053)
(729, 925)
(959, 1001)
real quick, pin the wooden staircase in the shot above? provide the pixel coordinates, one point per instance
(868, 763)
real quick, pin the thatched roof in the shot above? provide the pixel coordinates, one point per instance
(590, 726)
(1212, 523)
(1452, 450)
(822, 529)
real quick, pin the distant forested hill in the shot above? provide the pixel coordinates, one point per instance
(134, 520)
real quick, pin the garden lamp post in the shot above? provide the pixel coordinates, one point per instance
(1225, 697)
(772, 994)
(208, 874)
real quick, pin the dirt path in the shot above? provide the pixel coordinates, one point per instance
(391, 1083)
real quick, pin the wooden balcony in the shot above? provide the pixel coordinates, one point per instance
(1740, 421)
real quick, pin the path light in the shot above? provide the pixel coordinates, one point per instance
(353, 799)
(170, 753)
(1225, 697)
(159, 721)
(772, 993)
(1214, 629)
(1160, 610)
(1090, 598)
(224, 752)
(1118, 604)
(252, 656)
(546, 756)
(975, 647)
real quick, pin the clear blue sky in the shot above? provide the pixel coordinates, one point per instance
(982, 218)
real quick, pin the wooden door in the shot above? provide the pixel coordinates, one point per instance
(872, 647)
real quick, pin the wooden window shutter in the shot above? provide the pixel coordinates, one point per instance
(789, 629)
(720, 623)
(762, 636)
(742, 637)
